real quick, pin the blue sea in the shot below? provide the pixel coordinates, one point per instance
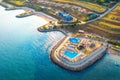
(24, 53)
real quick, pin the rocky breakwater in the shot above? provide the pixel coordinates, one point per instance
(25, 14)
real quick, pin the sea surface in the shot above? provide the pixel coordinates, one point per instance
(24, 53)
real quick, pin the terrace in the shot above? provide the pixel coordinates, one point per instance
(76, 53)
(74, 49)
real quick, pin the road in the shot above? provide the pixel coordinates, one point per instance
(102, 15)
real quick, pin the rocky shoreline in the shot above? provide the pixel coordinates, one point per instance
(50, 30)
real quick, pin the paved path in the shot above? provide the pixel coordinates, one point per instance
(47, 16)
(85, 60)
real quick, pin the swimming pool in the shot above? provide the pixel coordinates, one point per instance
(70, 54)
(75, 40)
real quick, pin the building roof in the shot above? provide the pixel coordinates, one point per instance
(65, 14)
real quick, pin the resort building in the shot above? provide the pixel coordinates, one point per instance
(65, 16)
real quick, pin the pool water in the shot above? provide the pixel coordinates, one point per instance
(70, 54)
(75, 40)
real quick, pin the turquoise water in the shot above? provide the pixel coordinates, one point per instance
(74, 40)
(24, 53)
(70, 54)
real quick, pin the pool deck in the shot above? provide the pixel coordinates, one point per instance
(79, 65)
